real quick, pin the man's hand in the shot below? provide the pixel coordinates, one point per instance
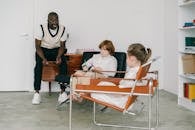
(45, 62)
(58, 60)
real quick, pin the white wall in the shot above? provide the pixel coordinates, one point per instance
(122, 21)
(171, 47)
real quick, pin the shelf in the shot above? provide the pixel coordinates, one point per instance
(183, 4)
(188, 51)
(185, 14)
(186, 103)
(188, 76)
(187, 28)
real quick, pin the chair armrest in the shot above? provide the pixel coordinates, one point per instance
(138, 90)
(116, 73)
(113, 71)
(154, 73)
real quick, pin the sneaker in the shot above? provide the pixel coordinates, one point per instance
(36, 99)
(67, 90)
(62, 98)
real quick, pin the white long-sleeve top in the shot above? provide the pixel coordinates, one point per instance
(108, 63)
(131, 74)
(118, 100)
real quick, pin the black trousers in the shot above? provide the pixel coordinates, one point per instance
(50, 55)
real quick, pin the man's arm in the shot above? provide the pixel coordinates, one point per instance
(60, 52)
(39, 51)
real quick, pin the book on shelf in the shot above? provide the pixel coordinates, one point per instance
(189, 91)
(186, 90)
(190, 42)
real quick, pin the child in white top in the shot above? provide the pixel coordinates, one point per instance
(105, 61)
(99, 62)
(137, 55)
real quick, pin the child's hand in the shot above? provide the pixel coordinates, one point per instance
(97, 69)
(79, 73)
(85, 68)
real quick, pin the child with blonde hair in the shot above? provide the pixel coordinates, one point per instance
(137, 55)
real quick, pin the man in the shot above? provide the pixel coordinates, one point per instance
(50, 45)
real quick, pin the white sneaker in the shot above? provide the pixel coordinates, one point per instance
(36, 99)
(62, 97)
(67, 90)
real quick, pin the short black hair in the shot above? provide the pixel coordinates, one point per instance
(53, 14)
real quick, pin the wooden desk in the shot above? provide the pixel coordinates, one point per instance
(73, 62)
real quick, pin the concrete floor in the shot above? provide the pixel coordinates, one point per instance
(17, 113)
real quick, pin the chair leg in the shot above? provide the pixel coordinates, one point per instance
(49, 88)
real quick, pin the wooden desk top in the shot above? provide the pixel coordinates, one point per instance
(72, 54)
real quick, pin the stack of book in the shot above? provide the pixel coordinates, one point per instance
(189, 91)
(189, 24)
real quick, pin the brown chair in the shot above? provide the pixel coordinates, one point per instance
(49, 73)
(149, 89)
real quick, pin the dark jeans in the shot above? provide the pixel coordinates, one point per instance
(50, 55)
